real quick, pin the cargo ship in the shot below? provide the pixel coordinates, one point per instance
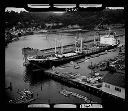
(47, 58)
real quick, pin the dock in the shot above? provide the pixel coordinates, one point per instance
(85, 87)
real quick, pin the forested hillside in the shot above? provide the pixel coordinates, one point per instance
(85, 19)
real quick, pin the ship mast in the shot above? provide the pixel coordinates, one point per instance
(55, 45)
(61, 47)
(81, 45)
(94, 40)
(109, 29)
(76, 42)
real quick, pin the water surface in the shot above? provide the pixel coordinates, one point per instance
(44, 87)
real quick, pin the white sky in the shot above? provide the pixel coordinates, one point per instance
(115, 7)
(22, 9)
(14, 9)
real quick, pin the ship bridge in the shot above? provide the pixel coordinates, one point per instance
(108, 39)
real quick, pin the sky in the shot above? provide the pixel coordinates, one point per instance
(22, 9)
(14, 9)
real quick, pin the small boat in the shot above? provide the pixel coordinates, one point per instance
(64, 93)
(76, 66)
(26, 97)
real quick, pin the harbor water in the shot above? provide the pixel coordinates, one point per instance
(47, 90)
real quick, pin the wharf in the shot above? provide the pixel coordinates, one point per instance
(85, 87)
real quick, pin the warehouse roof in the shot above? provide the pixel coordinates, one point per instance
(117, 79)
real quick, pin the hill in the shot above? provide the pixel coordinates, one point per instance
(86, 19)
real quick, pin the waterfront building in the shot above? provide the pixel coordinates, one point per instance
(114, 84)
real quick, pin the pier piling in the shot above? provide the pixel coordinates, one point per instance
(10, 86)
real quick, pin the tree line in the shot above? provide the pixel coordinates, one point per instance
(85, 19)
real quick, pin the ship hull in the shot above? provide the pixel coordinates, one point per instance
(50, 63)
